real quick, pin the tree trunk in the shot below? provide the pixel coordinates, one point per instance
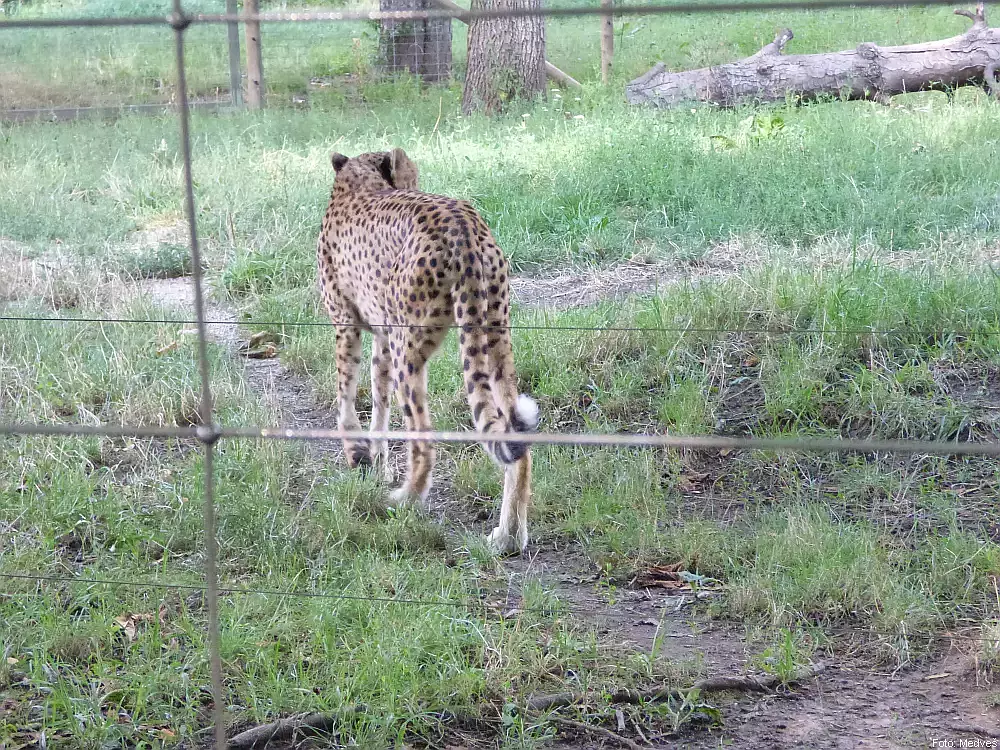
(421, 48)
(506, 58)
(867, 72)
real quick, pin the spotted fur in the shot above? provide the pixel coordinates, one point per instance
(406, 265)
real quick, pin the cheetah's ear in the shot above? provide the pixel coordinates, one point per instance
(403, 170)
(385, 169)
(338, 161)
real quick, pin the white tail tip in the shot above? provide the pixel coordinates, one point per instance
(526, 410)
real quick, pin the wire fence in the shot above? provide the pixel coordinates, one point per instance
(61, 73)
(207, 432)
(62, 68)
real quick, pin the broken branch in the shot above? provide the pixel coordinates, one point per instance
(304, 724)
(707, 685)
(259, 737)
(594, 729)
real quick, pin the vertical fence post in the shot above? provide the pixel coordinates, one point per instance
(607, 42)
(255, 63)
(235, 75)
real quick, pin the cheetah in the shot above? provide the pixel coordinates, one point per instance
(405, 266)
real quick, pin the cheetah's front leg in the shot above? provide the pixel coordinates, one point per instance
(409, 351)
(411, 392)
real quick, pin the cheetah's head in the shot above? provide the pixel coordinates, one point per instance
(377, 170)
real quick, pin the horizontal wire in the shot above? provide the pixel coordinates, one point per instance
(211, 434)
(232, 590)
(45, 23)
(292, 593)
(942, 333)
(623, 10)
(465, 15)
(633, 440)
(84, 430)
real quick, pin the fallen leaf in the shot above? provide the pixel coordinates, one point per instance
(261, 337)
(129, 623)
(261, 345)
(11, 661)
(168, 348)
(674, 579)
(689, 480)
(268, 351)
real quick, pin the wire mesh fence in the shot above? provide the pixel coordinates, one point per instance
(65, 72)
(415, 39)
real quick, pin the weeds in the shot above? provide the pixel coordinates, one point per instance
(787, 656)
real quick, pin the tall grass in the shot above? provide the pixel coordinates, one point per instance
(557, 190)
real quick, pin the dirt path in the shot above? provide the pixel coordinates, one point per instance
(288, 394)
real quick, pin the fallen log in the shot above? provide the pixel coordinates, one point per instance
(867, 72)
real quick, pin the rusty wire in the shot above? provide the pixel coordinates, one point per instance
(207, 438)
(465, 15)
(209, 434)
(936, 333)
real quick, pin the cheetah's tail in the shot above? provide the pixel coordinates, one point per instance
(491, 385)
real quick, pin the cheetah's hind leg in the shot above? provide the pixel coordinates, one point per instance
(348, 358)
(381, 404)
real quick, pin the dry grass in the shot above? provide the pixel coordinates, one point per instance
(722, 260)
(54, 279)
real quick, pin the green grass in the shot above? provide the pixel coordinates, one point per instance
(121, 509)
(850, 232)
(619, 183)
(856, 517)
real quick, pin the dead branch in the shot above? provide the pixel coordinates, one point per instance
(257, 738)
(707, 685)
(594, 729)
(972, 729)
(991, 80)
(868, 72)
